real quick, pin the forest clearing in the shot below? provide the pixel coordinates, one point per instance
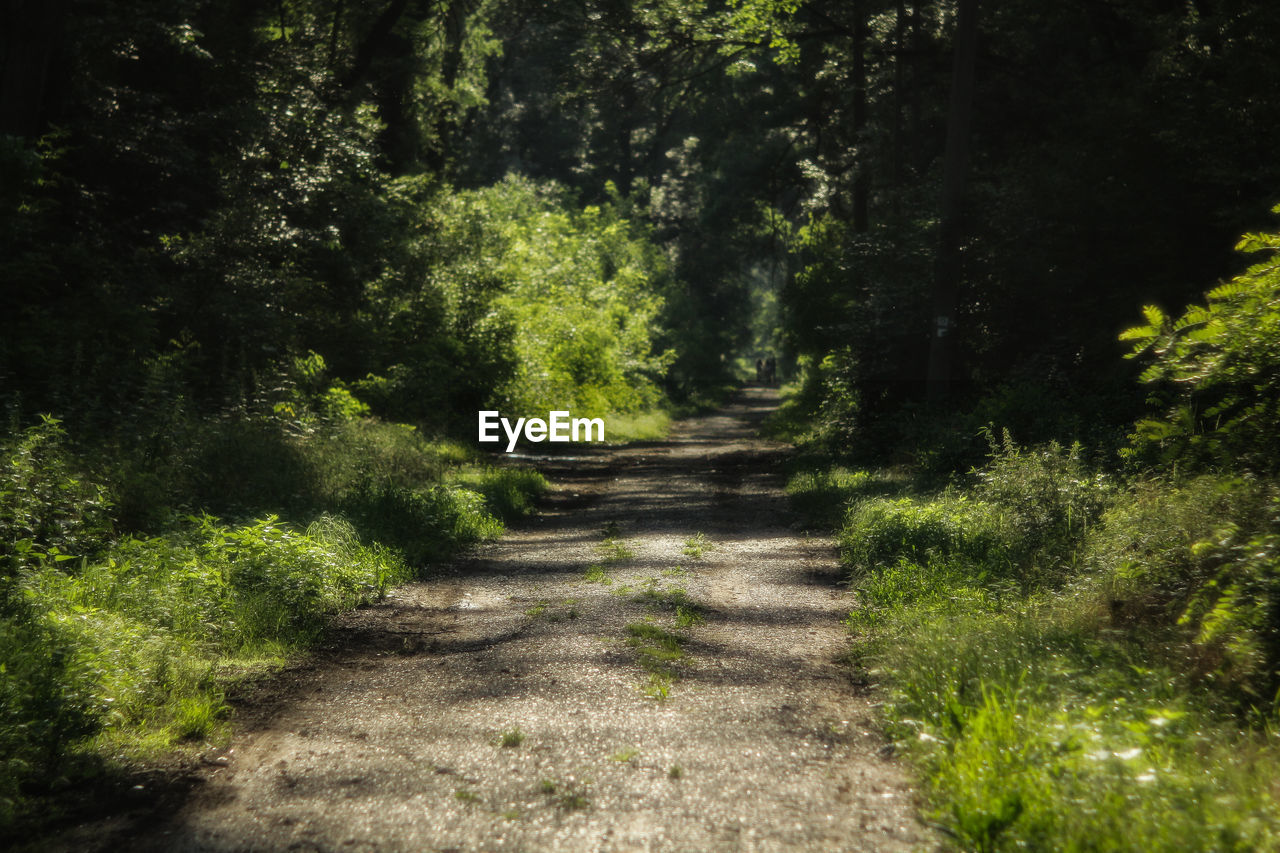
(640, 425)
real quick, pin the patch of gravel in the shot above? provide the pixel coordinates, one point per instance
(389, 738)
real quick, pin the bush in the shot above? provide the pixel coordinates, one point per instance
(47, 510)
(822, 495)
(884, 532)
(48, 699)
(1200, 556)
(134, 642)
(1217, 370)
(424, 526)
(509, 493)
(1047, 494)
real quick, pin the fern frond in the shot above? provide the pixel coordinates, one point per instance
(1258, 242)
(1139, 333)
(1151, 374)
(1226, 290)
(1195, 315)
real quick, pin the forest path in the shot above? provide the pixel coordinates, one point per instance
(388, 740)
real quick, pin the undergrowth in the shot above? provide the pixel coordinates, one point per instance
(125, 614)
(1073, 662)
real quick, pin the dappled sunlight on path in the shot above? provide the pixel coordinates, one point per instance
(390, 740)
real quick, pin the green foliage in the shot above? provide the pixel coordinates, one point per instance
(1072, 712)
(48, 699)
(518, 300)
(1049, 496)
(1035, 730)
(509, 493)
(1217, 368)
(822, 495)
(132, 643)
(1066, 660)
(697, 546)
(881, 532)
(47, 510)
(121, 645)
(657, 651)
(1201, 556)
(423, 525)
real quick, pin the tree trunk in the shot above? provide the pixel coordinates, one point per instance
(946, 281)
(861, 174)
(899, 97)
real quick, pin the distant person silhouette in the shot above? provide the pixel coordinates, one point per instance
(759, 370)
(770, 370)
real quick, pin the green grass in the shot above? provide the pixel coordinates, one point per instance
(114, 647)
(511, 738)
(821, 495)
(652, 425)
(625, 756)
(614, 550)
(568, 609)
(657, 651)
(697, 546)
(1033, 730)
(1049, 669)
(569, 796)
(596, 573)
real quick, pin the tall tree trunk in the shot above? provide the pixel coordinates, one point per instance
(334, 29)
(917, 57)
(861, 172)
(899, 97)
(946, 280)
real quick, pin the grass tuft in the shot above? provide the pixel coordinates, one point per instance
(697, 546)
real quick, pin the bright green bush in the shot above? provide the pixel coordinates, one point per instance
(423, 525)
(1217, 370)
(48, 699)
(823, 494)
(1048, 496)
(509, 493)
(518, 299)
(1036, 730)
(47, 509)
(882, 532)
(1201, 556)
(134, 642)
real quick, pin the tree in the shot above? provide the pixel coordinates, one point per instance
(947, 265)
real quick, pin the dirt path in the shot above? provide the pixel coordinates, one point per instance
(389, 740)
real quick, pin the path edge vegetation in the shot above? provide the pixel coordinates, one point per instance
(148, 568)
(1080, 650)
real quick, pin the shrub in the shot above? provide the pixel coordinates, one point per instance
(1200, 556)
(1217, 370)
(823, 495)
(509, 493)
(882, 532)
(46, 508)
(1047, 494)
(135, 641)
(425, 525)
(48, 698)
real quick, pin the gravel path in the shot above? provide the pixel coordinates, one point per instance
(389, 739)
